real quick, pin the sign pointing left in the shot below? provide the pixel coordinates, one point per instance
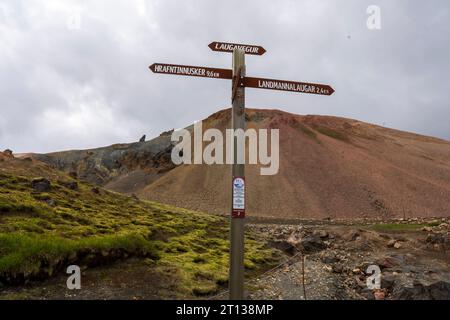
(192, 71)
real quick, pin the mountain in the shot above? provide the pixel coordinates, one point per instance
(330, 167)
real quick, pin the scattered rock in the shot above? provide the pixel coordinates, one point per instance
(391, 243)
(427, 229)
(321, 234)
(391, 261)
(329, 258)
(397, 245)
(388, 281)
(338, 268)
(437, 238)
(328, 268)
(356, 271)
(283, 245)
(367, 294)
(437, 291)
(134, 196)
(41, 185)
(51, 202)
(352, 235)
(73, 174)
(379, 295)
(8, 153)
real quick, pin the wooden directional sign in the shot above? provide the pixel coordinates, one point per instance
(228, 47)
(303, 87)
(191, 71)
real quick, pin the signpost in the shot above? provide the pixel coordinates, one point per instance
(239, 82)
(236, 279)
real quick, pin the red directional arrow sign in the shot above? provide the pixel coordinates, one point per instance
(228, 47)
(303, 87)
(191, 71)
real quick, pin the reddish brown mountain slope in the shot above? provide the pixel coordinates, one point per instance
(329, 167)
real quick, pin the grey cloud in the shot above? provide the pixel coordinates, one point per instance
(65, 88)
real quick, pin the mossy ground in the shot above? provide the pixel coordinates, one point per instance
(41, 232)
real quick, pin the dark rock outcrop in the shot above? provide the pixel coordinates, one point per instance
(72, 185)
(41, 185)
(419, 291)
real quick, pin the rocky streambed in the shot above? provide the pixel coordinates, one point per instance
(412, 256)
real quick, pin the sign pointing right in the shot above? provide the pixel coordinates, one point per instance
(283, 85)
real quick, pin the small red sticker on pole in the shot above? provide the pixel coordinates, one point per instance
(238, 197)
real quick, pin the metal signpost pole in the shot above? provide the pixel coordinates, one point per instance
(236, 279)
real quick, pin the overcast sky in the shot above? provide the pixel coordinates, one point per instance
(74, 74)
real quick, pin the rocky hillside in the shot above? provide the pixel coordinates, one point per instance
(329, 167)
(144, 161)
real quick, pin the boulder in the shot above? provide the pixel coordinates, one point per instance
(142, 139)
(391, 243)
(41, 185)
(379, 295)
(352, 235)
(322, 234)
(338, 268)
(8, 153)
(329, 258)
(95, 190)
(391, 261)
(388, 281)
(367, 294)
(73, 174)
(283, 245)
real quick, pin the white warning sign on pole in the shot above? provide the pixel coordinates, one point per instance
(238, 197)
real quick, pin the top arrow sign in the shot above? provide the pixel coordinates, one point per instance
(228, 47)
